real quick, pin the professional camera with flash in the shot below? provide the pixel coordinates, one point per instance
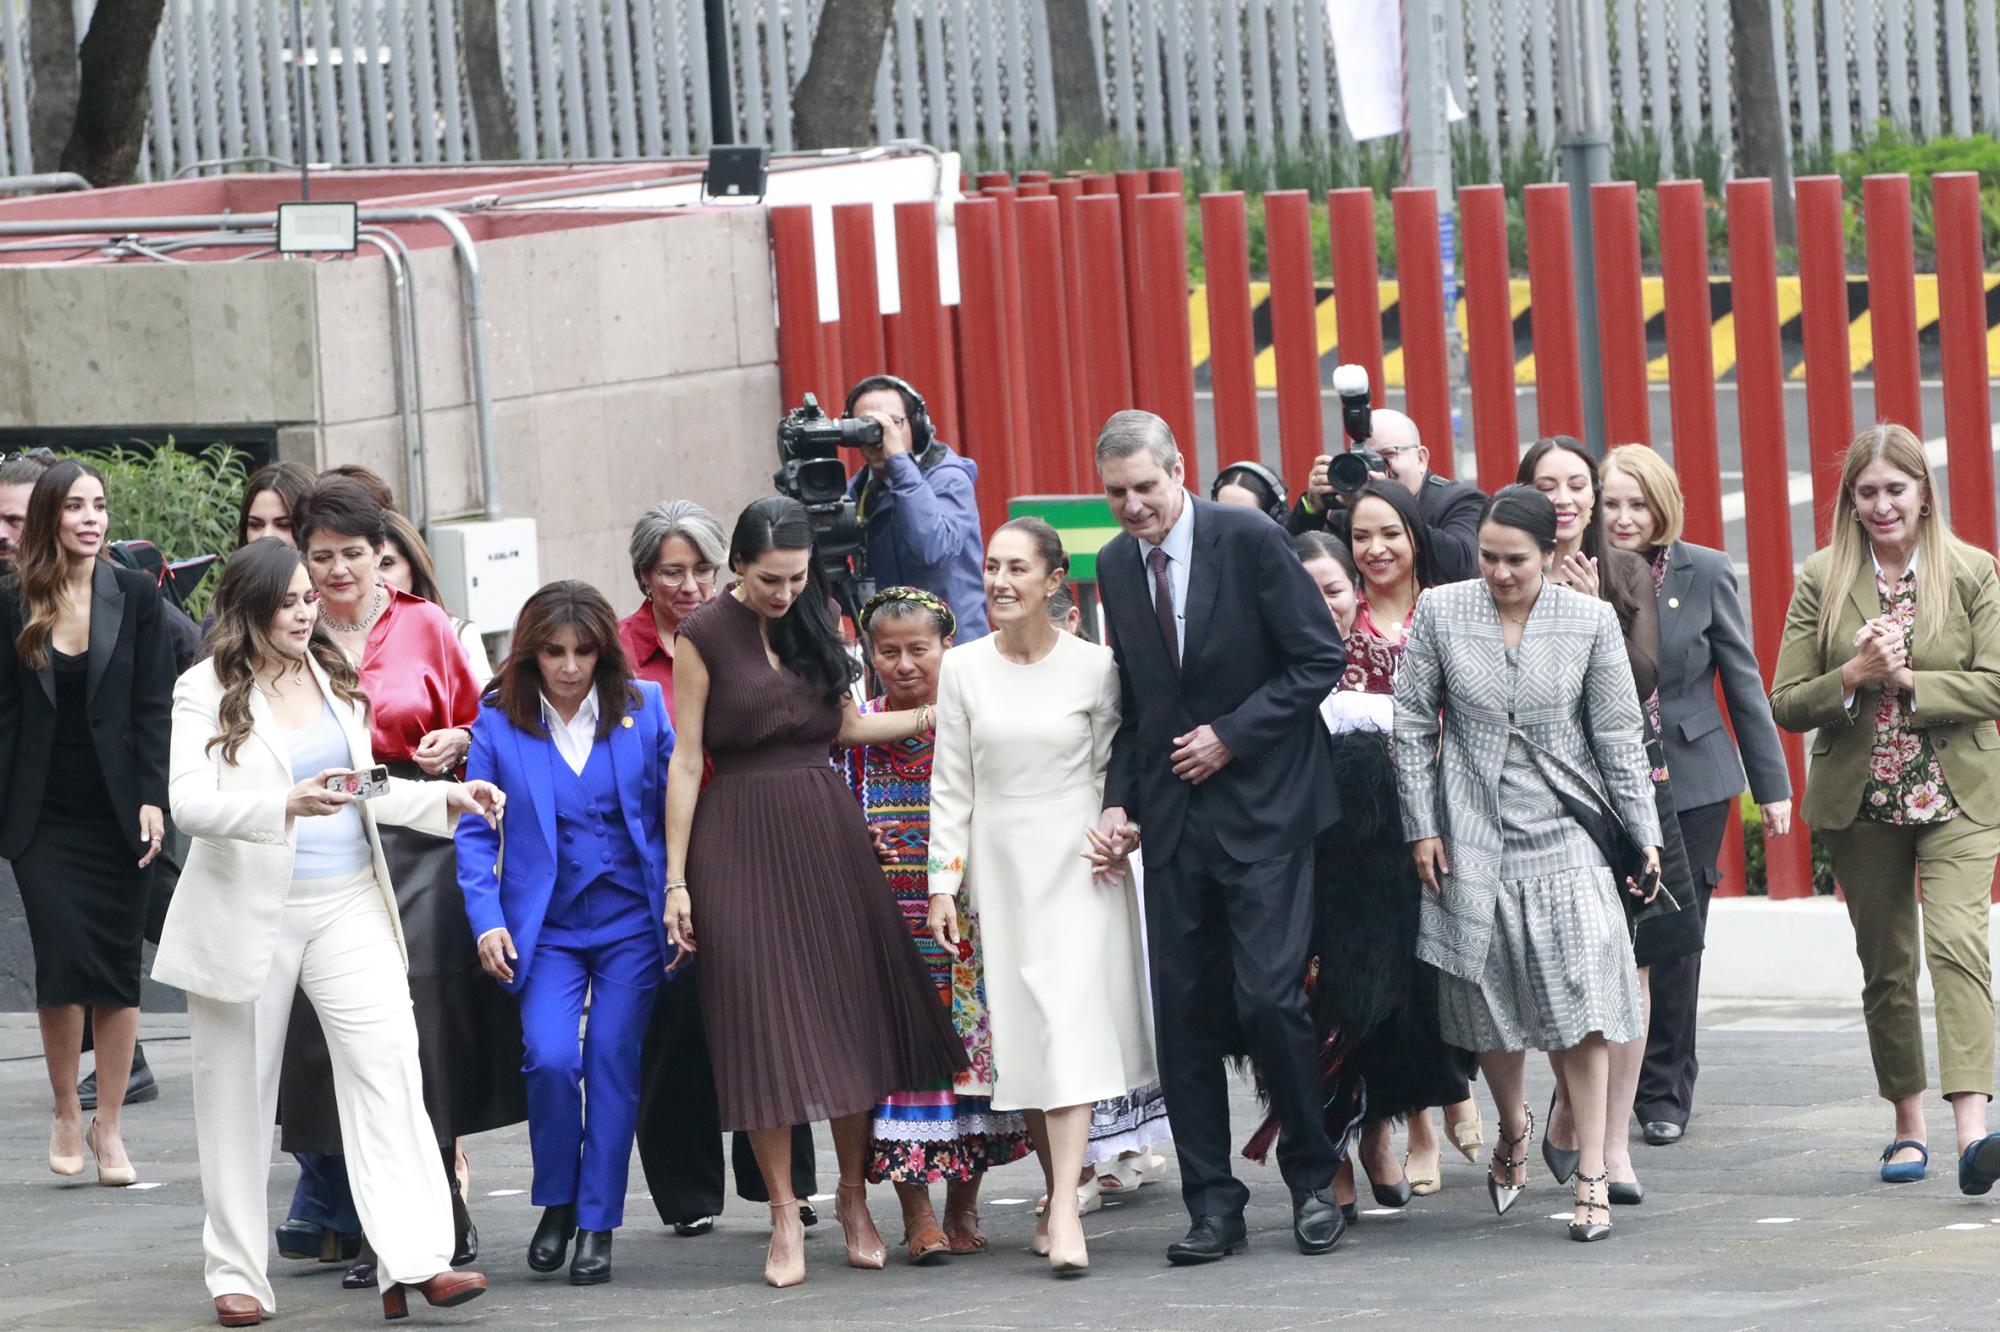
(1353, 469)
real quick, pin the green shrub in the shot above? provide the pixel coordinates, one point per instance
(184, 503)
(1756, 879)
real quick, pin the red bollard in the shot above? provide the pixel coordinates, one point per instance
(1489, 341)
(1083, 430)
(1357, 288)
(1044, 307)
(1691, 356)
(800, 370)
(982, 314)
(1294, 330)
(1034, 189)
(1760, 387)
(1823, 323)
(1098, 183)
(1892, 300)
(994, 180)
(1106, 346)
(926, 329)
(1968, 415)
(1552, 280)
(1426, 369)
(1165, 180)
(1232, 343)
(1164, 341)
(1130, 185)
(1025, 480)
(1035, 177)
(862, 346)
(1621, 313)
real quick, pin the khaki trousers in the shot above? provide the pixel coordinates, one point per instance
(1880, 867)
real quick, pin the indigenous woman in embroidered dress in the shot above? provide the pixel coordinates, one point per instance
(949, 1132)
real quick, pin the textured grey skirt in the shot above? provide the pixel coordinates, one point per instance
(1560, 962)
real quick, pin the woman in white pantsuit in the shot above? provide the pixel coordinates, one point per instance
(284, 887)
(1024, 725)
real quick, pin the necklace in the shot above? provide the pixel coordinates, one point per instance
(374, 610)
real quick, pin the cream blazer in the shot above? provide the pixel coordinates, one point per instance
(222, 926)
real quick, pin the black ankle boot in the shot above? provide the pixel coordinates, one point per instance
(552, 1236)
(592, 1264)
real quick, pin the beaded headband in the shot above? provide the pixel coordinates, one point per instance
(912, 596)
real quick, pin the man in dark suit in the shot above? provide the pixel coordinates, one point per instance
(1450, 509)
(1224, 653)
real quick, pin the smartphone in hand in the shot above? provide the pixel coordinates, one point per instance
(361, 785)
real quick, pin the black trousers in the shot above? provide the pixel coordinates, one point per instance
(680, 1126)
(1666, 1079)
(1229, 944)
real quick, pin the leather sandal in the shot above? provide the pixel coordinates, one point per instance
(926, 1240)
(962, 1229)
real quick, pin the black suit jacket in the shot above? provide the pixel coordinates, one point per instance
(131, 694)
(1261, 653)
(1450, 510)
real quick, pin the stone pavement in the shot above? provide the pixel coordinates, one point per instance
(1768, 1216)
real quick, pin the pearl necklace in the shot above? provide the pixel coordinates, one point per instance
(366, 622)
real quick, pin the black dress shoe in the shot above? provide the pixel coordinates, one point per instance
(361, 1276)
(551, 1242)
(300, 1239)
(1661, 1132)
(1627, 1195)
(807, 1216)
(1318, 1221)
(701, 1225)
(1349, 1212)
(1209, 1239)
(1391, 1195)
(592, 1264)
(140, 1087)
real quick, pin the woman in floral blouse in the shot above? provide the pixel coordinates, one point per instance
(1892, 656)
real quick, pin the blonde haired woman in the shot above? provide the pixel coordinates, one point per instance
(1892, 655)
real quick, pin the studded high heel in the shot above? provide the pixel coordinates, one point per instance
(1505, 1193)
(1587, 1230)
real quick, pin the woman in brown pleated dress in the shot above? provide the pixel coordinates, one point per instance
(815, 1001)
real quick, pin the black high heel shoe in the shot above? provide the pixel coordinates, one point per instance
(1586, 1231)
(1505, 1193)
(465, 1235)
(1562, 1164)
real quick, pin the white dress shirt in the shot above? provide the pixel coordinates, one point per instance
(1179, 545)
(574, 737)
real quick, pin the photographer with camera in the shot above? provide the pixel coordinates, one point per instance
(1386, 446)
(915, 503)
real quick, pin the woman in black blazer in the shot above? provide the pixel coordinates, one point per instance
(1703, 640)
(86, 692)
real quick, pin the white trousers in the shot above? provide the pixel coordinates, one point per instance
(336, 942)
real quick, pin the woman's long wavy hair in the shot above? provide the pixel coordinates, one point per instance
(566, 604)
(40, 561)
(806, 639)
(254, 585)
(1939, 551)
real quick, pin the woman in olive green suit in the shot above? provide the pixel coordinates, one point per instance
(1892, 654)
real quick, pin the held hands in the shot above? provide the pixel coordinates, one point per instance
(680, 927)
(310, 798)
(496, 950)
(1580, 572)
(1108, 845)
(441, 751)
(1778, 818)
(1432, 868)
(1650, 889)
(943, 922)
(1199, 755)
(152, 830)
(485, 799)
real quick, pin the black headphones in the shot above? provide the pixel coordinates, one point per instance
(915, 414)
(1279, 509)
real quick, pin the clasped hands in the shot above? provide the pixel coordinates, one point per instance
(1880, 657)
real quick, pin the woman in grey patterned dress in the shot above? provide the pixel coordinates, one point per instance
(1503, 680)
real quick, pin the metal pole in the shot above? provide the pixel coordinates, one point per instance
(1585, 79)
(1428, 111)
(721, 98)
(299, 96)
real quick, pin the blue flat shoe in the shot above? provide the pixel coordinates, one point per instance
(1909, 1172)
(1979, 1166)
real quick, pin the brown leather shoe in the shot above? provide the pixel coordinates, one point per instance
(442, 1292)
(238, 1311)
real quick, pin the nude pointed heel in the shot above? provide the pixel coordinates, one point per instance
(864, 1250)
(66, 1166)
(780, 1270)
(111, 1177)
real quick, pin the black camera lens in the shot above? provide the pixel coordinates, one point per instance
(1350, 471)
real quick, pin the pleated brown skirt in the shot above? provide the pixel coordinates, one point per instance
(815, 1001)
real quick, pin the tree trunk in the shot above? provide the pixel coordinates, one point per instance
(1760, 113)
(834, 106)
(1079, 108)
(492, 111)
(52, 62)
(111, 96)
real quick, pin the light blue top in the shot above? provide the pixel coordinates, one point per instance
(329, 844)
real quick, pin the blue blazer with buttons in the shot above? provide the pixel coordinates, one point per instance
(514, 891)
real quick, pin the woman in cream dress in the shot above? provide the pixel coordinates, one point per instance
(1025, 720)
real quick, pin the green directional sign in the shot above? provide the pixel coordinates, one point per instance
(1084, 523)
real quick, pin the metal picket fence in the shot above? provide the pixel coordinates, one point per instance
(1179, 80)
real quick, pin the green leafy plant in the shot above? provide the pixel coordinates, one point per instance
(184, 503)
(1757, 878)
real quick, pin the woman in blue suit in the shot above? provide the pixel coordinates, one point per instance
(574, 906)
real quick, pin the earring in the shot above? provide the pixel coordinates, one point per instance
(1924, 512)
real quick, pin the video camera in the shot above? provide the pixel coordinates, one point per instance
(811, 471)
(176, 579)
(1355, 468)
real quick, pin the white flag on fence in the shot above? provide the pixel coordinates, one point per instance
(1368, 59)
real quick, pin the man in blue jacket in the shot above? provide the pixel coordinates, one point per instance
(916, 503)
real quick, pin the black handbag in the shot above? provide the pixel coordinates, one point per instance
(1584, 801)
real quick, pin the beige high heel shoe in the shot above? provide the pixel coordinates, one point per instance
(66, 1166)
(865, 1249)
(111, 1177)
(782, 1270)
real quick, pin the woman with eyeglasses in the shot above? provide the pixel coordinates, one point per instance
(677, 547)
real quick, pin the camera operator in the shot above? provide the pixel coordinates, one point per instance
(915, 503)
(1450, 509)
